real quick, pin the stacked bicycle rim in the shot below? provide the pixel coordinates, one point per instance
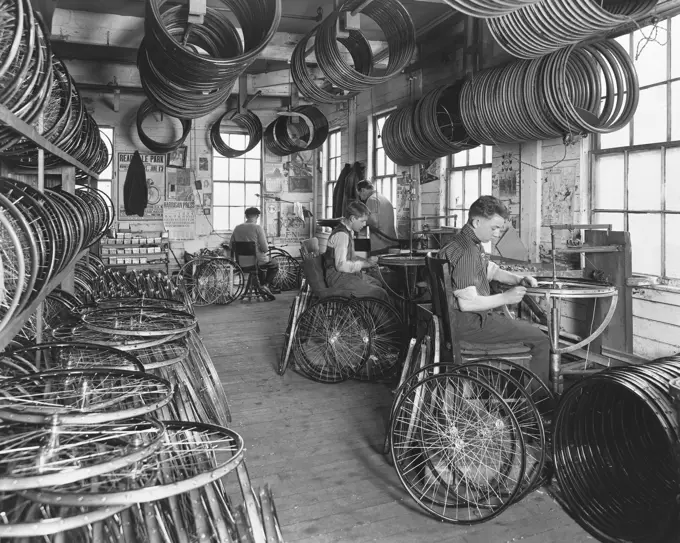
(105, 433)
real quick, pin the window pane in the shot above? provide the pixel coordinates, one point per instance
(238, 141)
(459, 218)
(105, 187)
(220, 168)
(488, 154)
(476, 156)
(390, 167)
(459, 159)
(672, 174)
(644, 180)
(673, 245)
(652, 55)
(220, 218)
(237, 169)
(675, 46)
(237, 194)
(650, 119)
(252, 170)
(620, 138)
(615, 219)
(380, 122)
(645, 234)
(254, 152)
(471, 187)
(221, 194)
(380, 162)
(456, 190)
(487, 185)
(675, 108)
(251, 190)
(236, 216)
(608, 186)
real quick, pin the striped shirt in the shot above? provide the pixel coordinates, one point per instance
(470, 264)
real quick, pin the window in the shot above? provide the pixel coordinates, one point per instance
(469, 178)
(105, 181)
(236, 183)
(332, 161)
(384, 170)
(634, 170)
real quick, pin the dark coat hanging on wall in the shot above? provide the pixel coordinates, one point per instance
(135, 191)
(345, 189)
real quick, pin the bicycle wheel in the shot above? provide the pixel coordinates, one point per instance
(162, 356)
(139, 321)
(12, 271)
(38, 456)
(71, 355)
(192, 455)
(331, 343)
(288, 337)
(80, 334)
(288, 274)
(88, 396)
(454, 443)
(388, 338)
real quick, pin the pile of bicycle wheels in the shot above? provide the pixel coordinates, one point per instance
(332, 340)
(468, 440)
(616, 436)
(35, 83)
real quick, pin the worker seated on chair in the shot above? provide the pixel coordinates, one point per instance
(342, 266)
(471, 271)
(251, 231)
(381, 219)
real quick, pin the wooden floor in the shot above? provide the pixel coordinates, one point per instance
(318, 447)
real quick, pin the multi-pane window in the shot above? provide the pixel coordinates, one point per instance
(469, 178)
(105, 181)
(332, 161)
(384, 170)
(634, 170)
(236, 183)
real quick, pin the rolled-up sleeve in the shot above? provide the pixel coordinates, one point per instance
(339, 242)
(491, 270)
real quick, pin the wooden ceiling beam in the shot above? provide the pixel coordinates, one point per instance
(89, 28)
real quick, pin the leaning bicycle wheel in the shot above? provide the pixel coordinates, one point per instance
(388, 337)
(288, 275)
(331, 342)
(458, 448)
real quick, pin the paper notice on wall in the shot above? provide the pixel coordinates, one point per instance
(179, 219)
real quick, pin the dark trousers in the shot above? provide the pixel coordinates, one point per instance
(268, 272)
(493, 328)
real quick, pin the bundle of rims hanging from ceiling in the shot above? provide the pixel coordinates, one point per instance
(485, 9)
(347, 80)
(188, 70)
(545, 27)
(303, 128)
(33, 82)
(589, 88)
(428, 129)
(614, 441)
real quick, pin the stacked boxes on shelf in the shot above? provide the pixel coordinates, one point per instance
(128, 249)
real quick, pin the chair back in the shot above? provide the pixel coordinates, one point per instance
(309, 247)
(245, 248)
(313, 269)
(444, 301)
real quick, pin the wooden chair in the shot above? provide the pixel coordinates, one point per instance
(253, 288)
(444, 307)
(313, 267)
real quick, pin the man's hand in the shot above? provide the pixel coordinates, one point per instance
(514, 295)
(366, 264)
(528, 281)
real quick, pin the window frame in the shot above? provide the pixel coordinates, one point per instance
(331, 163)
(113, 163)
(380, 180)
(485, 164)
(227, 182)
(598, 151)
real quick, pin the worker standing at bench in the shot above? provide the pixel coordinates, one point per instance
(342, 266)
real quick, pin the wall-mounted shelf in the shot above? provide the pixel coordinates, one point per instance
(15, 123)
(20, 319)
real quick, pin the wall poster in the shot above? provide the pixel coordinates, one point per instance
(155, 182)
(179, 184)
(429, 171)
(179, 219)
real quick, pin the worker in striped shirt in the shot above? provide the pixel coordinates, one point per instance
(471, 271)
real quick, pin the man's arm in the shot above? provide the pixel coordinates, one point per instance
(494, 273)
(470, 300)
(262, 240)
(339, 243)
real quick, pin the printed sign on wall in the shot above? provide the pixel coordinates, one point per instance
(155, 183)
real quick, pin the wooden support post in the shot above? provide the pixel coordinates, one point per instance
(352, 132)
(68, 184)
